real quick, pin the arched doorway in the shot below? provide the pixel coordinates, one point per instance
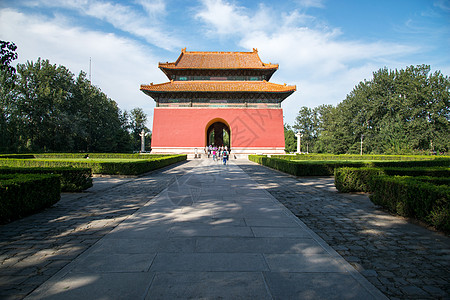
(218, 134)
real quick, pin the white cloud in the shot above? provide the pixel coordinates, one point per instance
(124, 18)
(119, 65)
(228, 19)
(155, 8)
(311, 55)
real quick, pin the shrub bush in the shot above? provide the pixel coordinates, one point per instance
(17, 156)
(358, 179)
(439, 162)
(410, 197)
(99, 155)
(303, 168)
(354, 179)
(421, 197)
(72, 179)
(326, 168)
(317, 156)
(23, 194)
(100, 167)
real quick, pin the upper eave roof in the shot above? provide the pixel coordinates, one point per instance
(218, 60)
(219, 86)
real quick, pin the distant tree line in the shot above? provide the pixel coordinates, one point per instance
(397, 112)
(44, 108)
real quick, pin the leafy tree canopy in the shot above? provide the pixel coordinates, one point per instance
(45, 108)
(397, 111)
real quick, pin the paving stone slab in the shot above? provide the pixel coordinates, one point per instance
(273, 221)
(315, 286)
(323, 263)
(140, 232)
(114, 263)
(287, 232)
(211, 230)
(96, 286)
(126, 246)
(195, 262)
(258, 245)
(209, 285)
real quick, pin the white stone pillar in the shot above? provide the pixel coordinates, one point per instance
(299, 141)
(142, 135)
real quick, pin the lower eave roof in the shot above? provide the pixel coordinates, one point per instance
(219, 86)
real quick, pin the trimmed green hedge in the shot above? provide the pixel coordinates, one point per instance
(326, 168)
(421, 197)
(17, 156)
(412, 197)
(317, 156)
(72, 179)
(358, 179)
(354, 179)
(99, 155)
(83, 155)
(303, 168)
(100, 167)
(441, 162)
(23, 194)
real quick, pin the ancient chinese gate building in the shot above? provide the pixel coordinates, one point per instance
(217, 95)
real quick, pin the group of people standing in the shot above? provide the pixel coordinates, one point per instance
(218, 153)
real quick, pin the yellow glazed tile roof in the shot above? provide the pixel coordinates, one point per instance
(218, 60)
(219, 86)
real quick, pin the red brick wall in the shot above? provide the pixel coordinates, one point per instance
(186, 127)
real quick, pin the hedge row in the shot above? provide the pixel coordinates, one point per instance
(423, 197)
(358, 179)
(99, 155)
(23, 194)
(357, 157)
(83, 155)
(412, 197)
(100, 167)
(72, 179)
(302, 168)
(17, 156)
(326, 168)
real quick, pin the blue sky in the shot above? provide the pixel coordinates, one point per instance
(325, 47)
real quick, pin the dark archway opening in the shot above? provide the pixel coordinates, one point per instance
(218, 134)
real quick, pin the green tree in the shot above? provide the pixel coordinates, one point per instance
(8, 95)
(100, 125)
(290, 141)
(398, 111)
(325, 128)
(307, 123)
(7, 56)
(45, 90)
(138, 120)
(54, 112)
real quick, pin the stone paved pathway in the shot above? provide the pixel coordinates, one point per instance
(213, 233)
(403, 260)
(35, 248)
